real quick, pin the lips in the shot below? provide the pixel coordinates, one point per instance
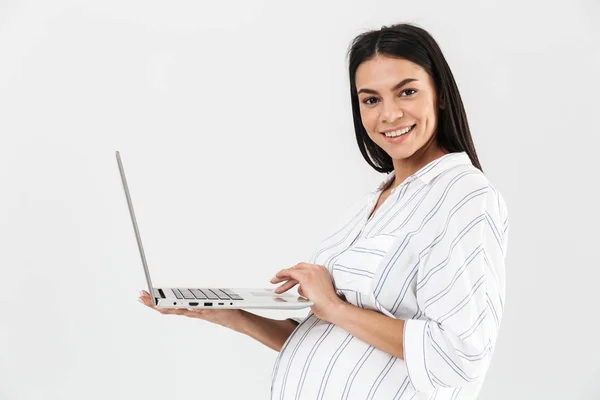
(399, 129)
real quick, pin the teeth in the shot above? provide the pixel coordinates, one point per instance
(398, 132)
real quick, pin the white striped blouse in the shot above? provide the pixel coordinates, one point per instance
(432, 254)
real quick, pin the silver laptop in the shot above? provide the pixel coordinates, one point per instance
(209, 297)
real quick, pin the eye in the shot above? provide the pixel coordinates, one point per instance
(408, 90)
(369, 100)
(372, 100)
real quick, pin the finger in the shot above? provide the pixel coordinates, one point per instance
(280, 279)
(300, 292)
(285, 272)
(144, 296)
(293, 273)
(286, 286)
(170, 311)
(279, 276)
(146, 301)
(194, 313)
(276, 280)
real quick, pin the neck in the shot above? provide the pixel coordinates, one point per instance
(403, 168)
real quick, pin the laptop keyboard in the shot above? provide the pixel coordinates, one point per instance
(206, 294)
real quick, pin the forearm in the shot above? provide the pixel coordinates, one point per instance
(271, 332)
(378, 330)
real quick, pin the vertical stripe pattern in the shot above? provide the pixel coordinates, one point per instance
(433, 255)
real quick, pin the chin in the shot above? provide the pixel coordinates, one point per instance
(399, 152)
(400, 155)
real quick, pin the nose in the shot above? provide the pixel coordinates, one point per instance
(391, 112)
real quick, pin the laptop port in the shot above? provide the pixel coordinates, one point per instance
(207, 304)
(221, 304)
(193, 304)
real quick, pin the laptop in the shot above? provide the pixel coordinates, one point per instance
(194, 297)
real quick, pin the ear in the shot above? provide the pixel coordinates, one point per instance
(441, 103)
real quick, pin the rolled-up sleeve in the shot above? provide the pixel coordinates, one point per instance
(297, 319)
(460, 292)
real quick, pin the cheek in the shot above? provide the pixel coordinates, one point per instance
(425, 114)
(369, 119)
(430, 120)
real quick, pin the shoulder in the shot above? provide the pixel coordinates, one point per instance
(464, 182)
(461, 177)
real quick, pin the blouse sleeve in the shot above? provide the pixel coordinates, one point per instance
(297, 319)
(460, 292)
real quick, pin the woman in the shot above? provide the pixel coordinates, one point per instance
(408, 293)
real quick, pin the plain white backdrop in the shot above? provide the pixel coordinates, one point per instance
(233, 120)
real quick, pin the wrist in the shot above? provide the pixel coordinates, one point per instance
(240, 322)
(337, 311)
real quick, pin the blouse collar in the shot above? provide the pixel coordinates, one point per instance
(434, 168)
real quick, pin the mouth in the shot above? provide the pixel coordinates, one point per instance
(394, 135)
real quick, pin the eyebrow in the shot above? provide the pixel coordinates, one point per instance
(398, 86)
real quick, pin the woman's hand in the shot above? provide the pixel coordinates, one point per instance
(229, 318)
(314, 283)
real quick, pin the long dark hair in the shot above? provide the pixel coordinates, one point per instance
(414, 44)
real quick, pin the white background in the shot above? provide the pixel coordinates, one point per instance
(234, 124)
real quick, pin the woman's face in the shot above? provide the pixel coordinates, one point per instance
(395, 95)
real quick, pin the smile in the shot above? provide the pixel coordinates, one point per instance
(399, 132)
